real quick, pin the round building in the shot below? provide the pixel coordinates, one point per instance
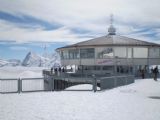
(111, 55)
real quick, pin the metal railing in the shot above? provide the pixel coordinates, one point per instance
(21, 85)
(115, 81)
(9, 85)
(59, 83)
(32, 84)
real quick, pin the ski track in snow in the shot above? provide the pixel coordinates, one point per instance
(131, 102)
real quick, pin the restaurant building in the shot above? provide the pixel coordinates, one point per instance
(110, 55)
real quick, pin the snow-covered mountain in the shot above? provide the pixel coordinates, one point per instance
(33, 59)
(14, 62)
(10, 62)
(3, 62)
(54, 60)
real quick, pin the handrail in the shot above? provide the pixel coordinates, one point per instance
(9, 79)
(19, 78)
(30, 78)
(118, 76)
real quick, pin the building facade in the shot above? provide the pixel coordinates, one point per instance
(111, 54)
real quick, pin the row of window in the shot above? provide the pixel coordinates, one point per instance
(117, 52)
(120, 69)
(76, 53)
(96, 68)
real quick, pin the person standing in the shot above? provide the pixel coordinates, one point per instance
(51, 70)
(142, 73)
(155, 73)
(56, 71)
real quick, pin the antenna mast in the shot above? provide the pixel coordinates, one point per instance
(111, 29)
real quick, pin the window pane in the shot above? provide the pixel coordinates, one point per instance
(154, 52)
(129, 52)
(97, 67)
(140, 52)
(87, 53)
(106, 53)
(120, 52)
(108, 68)
(64, 54)
(74, 54)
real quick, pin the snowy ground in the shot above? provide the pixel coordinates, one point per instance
(138, 101)
(16, 72)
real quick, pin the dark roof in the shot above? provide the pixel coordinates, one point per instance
(112, 40)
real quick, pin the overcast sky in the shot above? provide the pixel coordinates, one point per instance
(69, 21)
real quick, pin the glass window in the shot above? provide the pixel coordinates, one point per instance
(120, 52)
(129, 53)
(97, 67)
(89, 67)
(124, 69)
(154, 52)
(87, 53)
(64, 54)
(106, 53)
(140, 52)
(73, 54)
(107, 67)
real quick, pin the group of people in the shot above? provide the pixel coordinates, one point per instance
(59, 70)
(56, 70)
(154, 72)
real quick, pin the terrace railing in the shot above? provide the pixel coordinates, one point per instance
(21, 85)
(115, 81)
(59, 83)
(9, 85)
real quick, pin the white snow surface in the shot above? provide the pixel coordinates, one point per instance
(129, 102)
(20, 72)
(137, 101)
(29, 74)
(82, 87)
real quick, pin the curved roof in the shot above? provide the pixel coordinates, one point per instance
(112, 40)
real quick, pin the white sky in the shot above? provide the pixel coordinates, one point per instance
(134, 18)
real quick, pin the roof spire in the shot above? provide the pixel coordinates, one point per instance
(111, 19)
(111, 29)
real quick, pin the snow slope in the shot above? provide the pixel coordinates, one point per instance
(10, 62)
(3, 62)
(138, 101)
(19, 71)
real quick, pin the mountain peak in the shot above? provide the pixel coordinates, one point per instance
(33, 59)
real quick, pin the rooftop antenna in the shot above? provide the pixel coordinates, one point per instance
(111, 29)
(45, 54)
(111, 19)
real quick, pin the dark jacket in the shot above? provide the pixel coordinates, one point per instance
(155, 70)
